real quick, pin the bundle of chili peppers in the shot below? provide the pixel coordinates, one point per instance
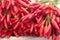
(20, 18)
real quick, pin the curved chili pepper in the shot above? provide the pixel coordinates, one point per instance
(15, 33)
(5, 24)
(55, 25)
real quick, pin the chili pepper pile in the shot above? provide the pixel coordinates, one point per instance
(20, 18)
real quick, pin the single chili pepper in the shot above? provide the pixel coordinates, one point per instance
(32, 26)
(5, 24)
(35, 30)
(8, 18)
(16, 26)
(22, 14)
(27, 30)
(24, 10)
(22, 25)
(57, 20)
(41, 31)
(53, 17)
(49, 31)
(2, 18)
(58, 12)
(51, 13)
(15, 33)
(45, 28)
(55, 25)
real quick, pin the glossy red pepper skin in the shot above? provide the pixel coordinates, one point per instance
(8, 18)
(41, 31)
(55, 25)
(24, 10)
(45, 29)
(57, 20)
(21, 3)
(32, 26)
(49, 30)
(5, 24)
(16, 26)
(15, 33)
(20, 18)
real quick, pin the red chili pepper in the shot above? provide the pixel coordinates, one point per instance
(53, 17)
(16, 26)
(51, 13)
(2, 4)
(27, 1)
(12, 2)
(27, 30)
(32, 26)
(9, 34)
(15, 33)
(57, 20)
(14, 20)
(24, 10)
(21, 3)
(49, 30)
(41, 31)
(22, 25)
(2, 18)
(7, 4)
(15, 10)
(43, 21)
(55, 25)
(25, 18)
(5, 24)
(55, 37)
(0, 11)
(58, 12)
(4, 33)
(45, 29)
(40, 18)
(8, 18)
